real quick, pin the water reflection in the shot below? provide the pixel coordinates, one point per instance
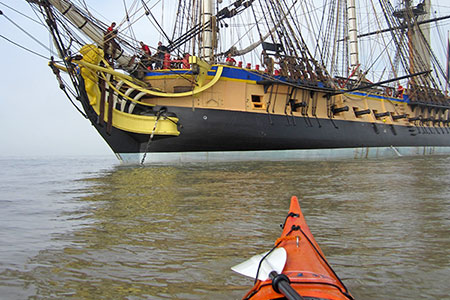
(174, 232)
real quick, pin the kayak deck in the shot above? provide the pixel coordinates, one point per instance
(306, 267)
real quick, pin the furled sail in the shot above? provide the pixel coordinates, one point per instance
(92, 30)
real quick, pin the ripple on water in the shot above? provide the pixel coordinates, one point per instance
(173, 232)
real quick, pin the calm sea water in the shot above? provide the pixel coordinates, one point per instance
(88, 228)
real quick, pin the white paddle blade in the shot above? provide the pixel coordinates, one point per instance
(275, 261)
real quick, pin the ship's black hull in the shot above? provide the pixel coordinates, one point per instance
(209, 130)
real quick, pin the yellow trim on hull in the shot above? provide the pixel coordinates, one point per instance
(121, 120)
(195, 91)
(374, 97)
(128, 80)
(141, 124)
(122, 94)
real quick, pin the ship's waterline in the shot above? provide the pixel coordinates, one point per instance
(280, 155)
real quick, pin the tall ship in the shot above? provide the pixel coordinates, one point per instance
(256, 79)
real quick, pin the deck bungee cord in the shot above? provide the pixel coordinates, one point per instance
(296, 262)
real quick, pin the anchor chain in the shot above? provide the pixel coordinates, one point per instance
(158, 116)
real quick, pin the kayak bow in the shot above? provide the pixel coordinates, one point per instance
(305, 273)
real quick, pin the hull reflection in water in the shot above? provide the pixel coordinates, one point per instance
(173, 232)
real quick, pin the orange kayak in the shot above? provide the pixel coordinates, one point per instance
(302, 266)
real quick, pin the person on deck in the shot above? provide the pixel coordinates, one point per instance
(161, 51)
(146, 58)
(268, 62)
(146, 49)
(111, 28)
(230, 60)
(400, 91)
(109, 41)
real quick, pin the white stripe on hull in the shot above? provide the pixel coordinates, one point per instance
(280, 155)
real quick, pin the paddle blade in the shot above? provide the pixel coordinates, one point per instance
(275, 261)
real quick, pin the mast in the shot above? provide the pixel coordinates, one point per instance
(447, 73)
(421, 34)
(353, 38)
(414, 17)
(208, 25)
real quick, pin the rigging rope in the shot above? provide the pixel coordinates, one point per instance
(62, 86)
(24, 48)
(24, 31)
(22, 14)
(290, 34)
